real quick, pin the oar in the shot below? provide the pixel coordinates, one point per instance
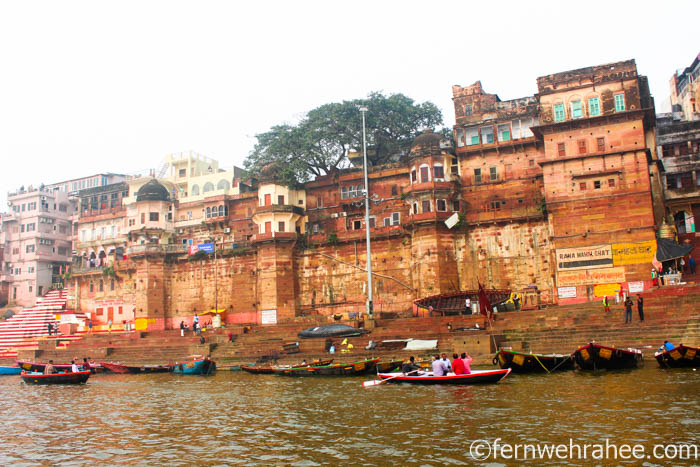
(377, 382)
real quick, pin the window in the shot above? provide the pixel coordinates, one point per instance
(223, 185)
(315, 228)
(280, 227)
(209, 186)
(387, 221)
(415, 208)
(194, 190)
(468, 110)
(371, 222)
(596, 184)
(593, 106)
(21, 228)
(441, 205)
(394, 190)
(477, 175)
(62, 250)
(153, 216)
(504, 132)
(460, 137)
(357, 225)
(582, 146)
(455, 206)
(424, 174)
(30, 248)
(619, 102)
(471, 135)
(413, 176)
(395, 218)
(280, 199)
(611, 182)
(222, 211)
(343, 192)
(101, 286)
(601, 144)
(486, 134)
(576, 109)
(143, 217)
(31, 227)
(582, 186)
(182, 173)
(426, 206)
(493, 174)
(561, 148)
(30, 269)
(92, 287)
(559, 113)
(438, 171)
(495, 205)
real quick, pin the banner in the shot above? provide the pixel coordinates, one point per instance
(567, 292)
(633, 253)
(588, 257)
(636, 287)
(268, 317)
(590, 277)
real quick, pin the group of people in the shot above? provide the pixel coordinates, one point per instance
(50, 369)
(459, 365)
(629, 304)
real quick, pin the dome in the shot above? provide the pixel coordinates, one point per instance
(152, 191)
(426, 143)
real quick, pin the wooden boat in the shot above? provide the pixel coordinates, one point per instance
(55, 378)
(118, 368)
(9, 370)
(679, 357)
(332, 330)
(39, 366)
(335, 369)
(267, 369)
(201, 366)
(388, 367)
(475, 377)
(521, 362)
(598, 357)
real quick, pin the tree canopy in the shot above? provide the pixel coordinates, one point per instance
(322, 140)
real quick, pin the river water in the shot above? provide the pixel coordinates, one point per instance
(234, 418)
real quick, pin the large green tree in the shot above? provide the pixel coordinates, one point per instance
(321, 141)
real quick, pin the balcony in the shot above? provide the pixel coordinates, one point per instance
(429, 187)
(282, 208)
(274, 236)
(428, 217)
(96, 214)
(173, 248)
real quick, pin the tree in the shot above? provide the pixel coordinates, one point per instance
(322, 140)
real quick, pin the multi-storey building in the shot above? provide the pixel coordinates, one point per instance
(38, 234)
(556, 196)
(685, 91)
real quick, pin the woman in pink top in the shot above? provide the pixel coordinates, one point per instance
(467, 360)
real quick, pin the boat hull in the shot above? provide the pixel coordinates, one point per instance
(331, 330)
(118, 368)
(599, 357)
(55, 378)
(475, 377)
(680, 357)
(337, 369)
(39, 366)
(195, 367)
(10, 370)
(533, 363)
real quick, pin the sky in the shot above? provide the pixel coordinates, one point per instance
(91, 87)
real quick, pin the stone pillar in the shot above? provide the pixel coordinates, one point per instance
(150, 296)
(434, 263)
(277, 287)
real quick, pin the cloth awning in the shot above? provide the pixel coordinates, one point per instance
(213, 311)
(667, 250)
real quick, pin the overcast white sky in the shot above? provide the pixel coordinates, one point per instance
(95, 86)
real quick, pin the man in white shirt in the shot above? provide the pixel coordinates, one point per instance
(439, 368)
(73, 367)
(468, 305)
(448, 364)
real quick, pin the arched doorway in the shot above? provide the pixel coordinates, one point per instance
(680, 220)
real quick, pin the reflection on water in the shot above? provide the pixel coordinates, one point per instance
(238, 418)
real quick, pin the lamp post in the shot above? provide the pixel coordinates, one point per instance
(370, 306)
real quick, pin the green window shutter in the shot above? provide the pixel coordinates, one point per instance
(475, 139)
(576, 110)
(619, 102)
(593, 106)
(559, 113)
(489, 138)
(505, 135)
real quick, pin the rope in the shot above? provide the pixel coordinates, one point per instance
(538, 361)
(562, 362)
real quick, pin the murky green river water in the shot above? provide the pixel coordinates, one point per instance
(236, 418)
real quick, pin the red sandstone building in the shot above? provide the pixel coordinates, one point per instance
(558, 198)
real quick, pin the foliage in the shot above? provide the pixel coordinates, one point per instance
(332, 238)
(235, 252)
(109, 271)
(321, 141)
(67, 276)
(199, 256)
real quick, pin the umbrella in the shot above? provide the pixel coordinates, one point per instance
(668, 249)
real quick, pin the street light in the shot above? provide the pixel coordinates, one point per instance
(370, 307)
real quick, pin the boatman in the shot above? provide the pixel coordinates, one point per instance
(49, 368)
(410, 366)
(439, 368)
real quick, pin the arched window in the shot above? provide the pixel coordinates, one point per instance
(221, 210)
(209, 186)
(194, 190)
(424, 173)
(223, 185)
(208, 212)
(358, 191)
(679, 219)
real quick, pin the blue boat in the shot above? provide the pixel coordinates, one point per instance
(201, 366)
(10, 370)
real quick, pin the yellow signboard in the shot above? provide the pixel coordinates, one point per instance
(633, 253)
(141, 324)
(590, 276)
(606, 290)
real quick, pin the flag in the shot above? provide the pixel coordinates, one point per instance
(484, 303)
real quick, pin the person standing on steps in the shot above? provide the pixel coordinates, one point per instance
(628, 310)
(640, 307)
(606, 303)
(182, 329)
(691, 265)
(109, 326)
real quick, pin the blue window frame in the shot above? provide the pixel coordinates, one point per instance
(619, 102)
(559, 113)
(593, 106)
(576, 109)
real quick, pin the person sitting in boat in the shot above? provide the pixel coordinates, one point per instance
(49, 369)
(303, 363)
(467, 360)
(668, 346)
(439, 368)
(457, 365)
(86, 364)
(448, 364)
(410, 365)
(74, 367)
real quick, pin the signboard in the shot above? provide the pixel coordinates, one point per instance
(606, 290)
(588, 257)
(206, 247)
(636, 287)
(567, 292)
(452, 220)
(590, 277)
(633, 253)
(193, 249)
(268, 317)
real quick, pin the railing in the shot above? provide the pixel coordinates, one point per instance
(279, 208)
(156, 248)
(261, 237)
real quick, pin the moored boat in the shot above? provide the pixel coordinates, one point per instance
(39, 366)
(332, 330)
(335, 369)
(521, 362)
(475, 377)
(119, 368)
(9, 370)
(600, 357)
(389, 366)
(201, 366)
(268, 369)
(32, 377)
(679, 357)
